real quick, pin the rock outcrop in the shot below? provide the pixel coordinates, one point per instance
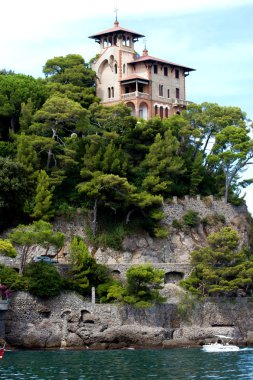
(68, 321)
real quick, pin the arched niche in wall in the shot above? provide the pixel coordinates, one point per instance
(143, 111)
(102, 66)
(132, 107)
(116, 274)
(173, 277)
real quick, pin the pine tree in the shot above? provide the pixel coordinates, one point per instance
(43, 198)
(163, 164)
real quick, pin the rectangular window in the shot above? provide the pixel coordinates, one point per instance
(165, 70)
(177, 73)
(155, 69)
(160, 90)
(168, 93)
(177, 93)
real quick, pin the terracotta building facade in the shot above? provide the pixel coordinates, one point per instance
(148, 85)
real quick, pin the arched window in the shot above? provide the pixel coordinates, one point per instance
(161, 112)
(112, 92)
(109, 92)
(166, 112)
(156, 110)
(124, 69)
(116, 68)
(160, 89)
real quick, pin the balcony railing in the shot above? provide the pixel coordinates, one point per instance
(178, 102)
(135, 94)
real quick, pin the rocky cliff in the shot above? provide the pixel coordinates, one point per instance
(69, 321)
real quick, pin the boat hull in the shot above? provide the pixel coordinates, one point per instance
(218, 347)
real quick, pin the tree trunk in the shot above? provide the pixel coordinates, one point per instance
(128, 216)
(14, 123)
(94, 222)
(23, 259)
(49, 156)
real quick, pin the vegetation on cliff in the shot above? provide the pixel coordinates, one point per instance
(221, 268)
(59, 146)
(60, 150)
(42, 279)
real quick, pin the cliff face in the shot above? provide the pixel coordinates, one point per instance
(173, 253)
(69, 321)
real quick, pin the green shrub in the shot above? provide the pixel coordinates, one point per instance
(111, 237)
(208, 200)
(64, 209)
(177, 224)
(191, 218)
(12, 279)
(7, 249)
(43, 279)
(219, 218)
(161, 232)
(213, 219)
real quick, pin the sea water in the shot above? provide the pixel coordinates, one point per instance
(169, 364)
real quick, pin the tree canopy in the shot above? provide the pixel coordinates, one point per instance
(221, 268)
(38, 233)
(65, 148)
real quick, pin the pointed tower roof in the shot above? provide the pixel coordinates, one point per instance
(116, 29)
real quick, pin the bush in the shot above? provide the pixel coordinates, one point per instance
(43, 279)
(111, 237)
(142, 287)
(214, 219)
(85, 272)
(208, 200)
(161, 232)
(7, 249)
(191, 218)
(12, 279)
(176, 224)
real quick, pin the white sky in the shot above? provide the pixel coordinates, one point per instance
(213, 36)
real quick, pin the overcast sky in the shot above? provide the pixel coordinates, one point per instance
(213, 36)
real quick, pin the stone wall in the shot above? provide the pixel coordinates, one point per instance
(231, 317)
(68, 321)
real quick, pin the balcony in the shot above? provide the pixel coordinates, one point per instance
(178, 102)
(135, 95)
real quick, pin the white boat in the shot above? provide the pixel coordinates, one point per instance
(224, 346)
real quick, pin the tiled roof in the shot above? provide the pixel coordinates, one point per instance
(116, 29)
(132, 77)
(154, 59)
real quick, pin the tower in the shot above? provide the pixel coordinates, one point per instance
(149, 86)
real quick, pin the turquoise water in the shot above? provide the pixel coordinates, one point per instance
(170, 364)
